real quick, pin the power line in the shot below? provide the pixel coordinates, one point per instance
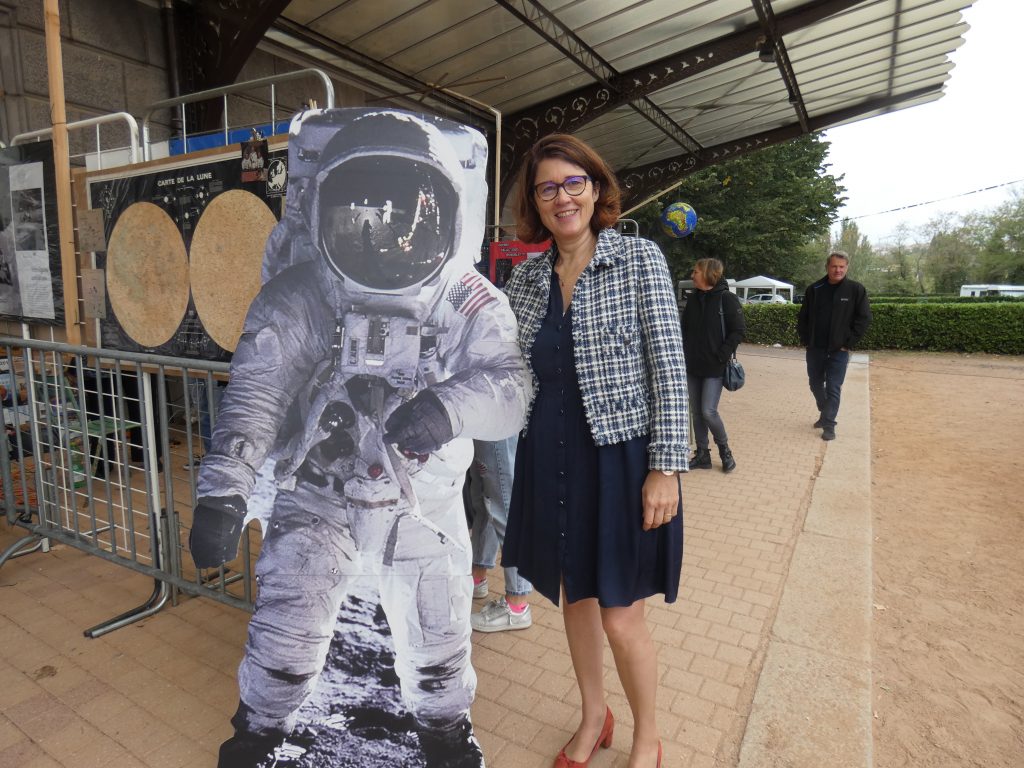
(937, 200)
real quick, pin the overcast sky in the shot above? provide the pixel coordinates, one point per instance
(969, 139)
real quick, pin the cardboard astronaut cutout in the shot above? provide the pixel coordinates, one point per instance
(371, 357)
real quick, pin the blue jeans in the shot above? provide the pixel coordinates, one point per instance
(826, 372)
(490, 490)
(704, 396)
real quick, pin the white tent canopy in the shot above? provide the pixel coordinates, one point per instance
(762, 284)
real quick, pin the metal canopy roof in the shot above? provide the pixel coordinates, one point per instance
(659, 87)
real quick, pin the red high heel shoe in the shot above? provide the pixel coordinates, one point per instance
(659, 753)
(603, 740)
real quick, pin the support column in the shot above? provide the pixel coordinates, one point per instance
(62, 165)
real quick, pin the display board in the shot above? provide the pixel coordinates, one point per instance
(183, 247)
(31, 286)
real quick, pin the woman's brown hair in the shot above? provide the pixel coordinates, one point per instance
(607, 207)
(711, 271)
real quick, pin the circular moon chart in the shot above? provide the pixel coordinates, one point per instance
(226, 260)
(147, 274)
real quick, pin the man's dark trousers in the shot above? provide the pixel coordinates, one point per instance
(826, 372)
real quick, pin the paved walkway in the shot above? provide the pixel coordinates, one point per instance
(764, 660)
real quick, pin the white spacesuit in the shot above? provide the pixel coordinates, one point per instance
(372, 332)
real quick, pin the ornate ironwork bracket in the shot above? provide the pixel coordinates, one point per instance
(569, 112)
(646, 182)
(214, 40)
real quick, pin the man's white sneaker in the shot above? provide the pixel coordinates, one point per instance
(496, 616)
(480, 590)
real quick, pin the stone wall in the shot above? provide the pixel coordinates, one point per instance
(113, 58)
(114, 61)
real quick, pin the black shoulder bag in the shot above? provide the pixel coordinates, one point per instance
(734, 376)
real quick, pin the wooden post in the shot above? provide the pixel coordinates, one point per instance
(62, 164)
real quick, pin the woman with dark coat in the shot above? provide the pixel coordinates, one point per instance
(712, 329)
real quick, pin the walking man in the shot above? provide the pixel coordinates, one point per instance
(833, 319)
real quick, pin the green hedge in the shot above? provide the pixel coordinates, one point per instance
(982, 327)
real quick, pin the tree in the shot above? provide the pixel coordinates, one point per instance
(950, 257)
(756, 212)
(911, 256)
(1002, 253)
(899, 275)
(813, 255)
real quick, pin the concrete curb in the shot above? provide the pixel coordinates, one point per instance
(812, 705)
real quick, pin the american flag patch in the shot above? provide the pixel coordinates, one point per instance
(470, 294)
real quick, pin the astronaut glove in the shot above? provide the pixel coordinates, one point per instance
(419, 426)
(216, 526)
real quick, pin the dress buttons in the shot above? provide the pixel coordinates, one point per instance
(558, 370)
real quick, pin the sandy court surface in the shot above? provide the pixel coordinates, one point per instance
(948, 505)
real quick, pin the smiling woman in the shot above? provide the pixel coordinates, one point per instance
(596, 510)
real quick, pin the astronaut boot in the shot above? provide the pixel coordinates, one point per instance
(248, 750)
(454, 746)
(262, 750)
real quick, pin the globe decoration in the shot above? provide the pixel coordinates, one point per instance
(678, 220)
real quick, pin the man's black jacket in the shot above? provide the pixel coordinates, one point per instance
(851, 314)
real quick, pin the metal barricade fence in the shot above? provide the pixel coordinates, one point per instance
(100, 453)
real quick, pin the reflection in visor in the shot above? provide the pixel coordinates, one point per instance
(386, 222)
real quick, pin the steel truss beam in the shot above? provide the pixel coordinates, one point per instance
(215, 39)
(569, 112)
(766, 16)
(374, 77)
(646, 182)
(544, 23)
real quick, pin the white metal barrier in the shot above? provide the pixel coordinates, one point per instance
(96, 123)
(223, 92)
(100, 448)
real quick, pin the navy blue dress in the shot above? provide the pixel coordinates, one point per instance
(576, 514)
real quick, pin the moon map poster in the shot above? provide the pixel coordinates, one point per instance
(184, 249)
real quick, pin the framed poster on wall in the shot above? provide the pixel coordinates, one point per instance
(31, 285)
(184, 243)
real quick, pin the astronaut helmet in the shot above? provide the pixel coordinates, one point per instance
(387, 208)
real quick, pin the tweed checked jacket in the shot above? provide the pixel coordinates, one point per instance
(629, 348)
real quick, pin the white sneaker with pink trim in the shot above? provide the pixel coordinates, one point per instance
(496, 616)
(480, 590)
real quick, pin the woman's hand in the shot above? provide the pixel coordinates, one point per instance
(661, 498)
